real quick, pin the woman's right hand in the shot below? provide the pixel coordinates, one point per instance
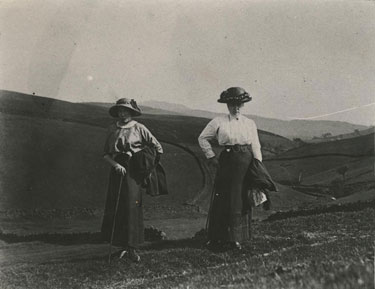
(120, 169)
(213, 162)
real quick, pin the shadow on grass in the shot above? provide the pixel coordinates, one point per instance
(55, 238)
(96, 238)
(174, 244)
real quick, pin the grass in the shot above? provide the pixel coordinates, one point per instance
(333, 250)
(59, 164)
(319, 173)
(358, 146)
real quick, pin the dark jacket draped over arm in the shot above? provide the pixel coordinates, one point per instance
(146, 169)
(258, 177)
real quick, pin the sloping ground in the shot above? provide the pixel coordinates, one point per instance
(320, 176)
(287, 199)
(320, 164)
(321, 169)
(366, 195)
(359, 170)
(58, 164)
(359, 146)
(356, 133)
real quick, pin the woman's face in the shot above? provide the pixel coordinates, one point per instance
(235, 108)
(124, 113)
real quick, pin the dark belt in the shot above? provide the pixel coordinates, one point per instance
(238, 148)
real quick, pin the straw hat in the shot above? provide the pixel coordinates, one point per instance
(128, 103)
(234, 94)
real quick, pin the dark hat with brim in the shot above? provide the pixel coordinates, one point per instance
(130, 104)
(234, 95)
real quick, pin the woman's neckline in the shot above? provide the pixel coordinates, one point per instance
(231, 117)
(126, 125)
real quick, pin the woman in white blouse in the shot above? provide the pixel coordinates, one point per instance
(229, 212)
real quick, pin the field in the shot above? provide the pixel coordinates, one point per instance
(332, 250)
(56, 164)
(53, 183)
(352, 147)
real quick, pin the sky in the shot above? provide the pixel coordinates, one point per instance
(297, 59)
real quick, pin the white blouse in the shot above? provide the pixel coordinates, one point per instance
(230, 130)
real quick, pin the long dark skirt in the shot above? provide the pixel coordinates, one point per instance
(230, 217)
(129, 227)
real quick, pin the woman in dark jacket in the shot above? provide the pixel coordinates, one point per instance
(127, 146)
(229, 213)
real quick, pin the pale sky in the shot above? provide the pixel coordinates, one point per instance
(298, 59)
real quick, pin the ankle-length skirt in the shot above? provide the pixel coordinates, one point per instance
(229, 215)
(127, 222)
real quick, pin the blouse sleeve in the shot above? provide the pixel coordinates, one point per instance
(149, 138)
(255, 145)
(208, 134)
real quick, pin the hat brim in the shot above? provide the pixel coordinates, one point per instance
(113, 111)
(234, 101)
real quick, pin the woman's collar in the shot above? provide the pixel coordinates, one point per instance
(232, 117)
(127, 125)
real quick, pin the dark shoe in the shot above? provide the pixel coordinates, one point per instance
(130, 254)
(215, 246)
(236, 246)
(211, 244)
(134, 256)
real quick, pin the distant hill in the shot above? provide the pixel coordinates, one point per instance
(318, 163)
(144, 109)
(304, 129)
(354, 134)
(359, 170)
(367, 195)
(317, 168)
(358, 146)
(166, 106)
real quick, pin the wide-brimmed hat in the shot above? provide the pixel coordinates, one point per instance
(234, 94)
(128, 103)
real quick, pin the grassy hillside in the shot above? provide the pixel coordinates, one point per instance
(319, 163)
(321, 177)
(354, 134)
(51, 156)
(359, 170)
(58, 164)
(358, 146)
(309, 167)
